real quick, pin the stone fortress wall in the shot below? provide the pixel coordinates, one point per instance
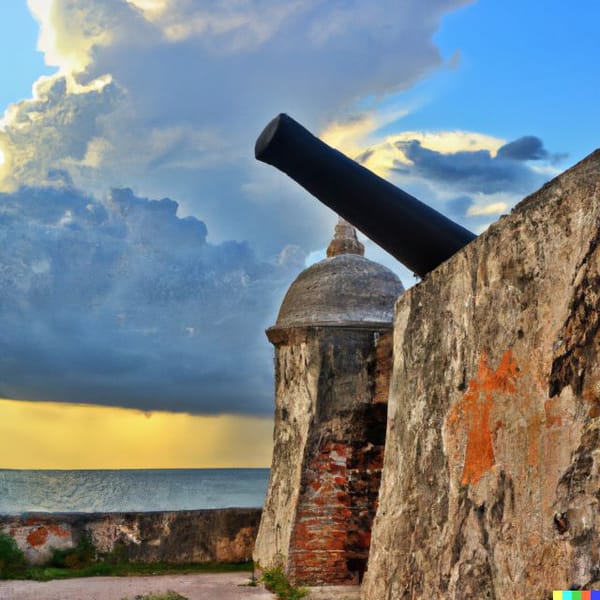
(490, 482)
(192, 536)
(491, 478)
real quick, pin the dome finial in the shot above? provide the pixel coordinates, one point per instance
(344, 240)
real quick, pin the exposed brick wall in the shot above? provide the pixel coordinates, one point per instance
(342, 466)
(332, 533)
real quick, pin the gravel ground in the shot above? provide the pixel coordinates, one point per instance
(222, 586)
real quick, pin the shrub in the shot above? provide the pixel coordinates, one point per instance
(74, 558)
(12, 560)
(276, 581)
(117, 556)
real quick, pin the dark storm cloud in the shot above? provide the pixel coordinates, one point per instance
(527, 147)
(122, 302)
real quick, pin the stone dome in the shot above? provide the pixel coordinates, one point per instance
(345, 288)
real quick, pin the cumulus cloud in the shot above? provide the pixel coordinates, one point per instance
(528, 147)
(471, 161)
(474, 186)
(495, 208)
(52, 131)
(469, 176)
(136, 302)
(469, 171)
(169, 96)
(359, 136)
(123, 302)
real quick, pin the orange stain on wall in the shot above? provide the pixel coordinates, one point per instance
(473, 412)
(38, 537)
(57, 531)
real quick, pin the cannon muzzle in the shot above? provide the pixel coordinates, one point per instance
(417, 235)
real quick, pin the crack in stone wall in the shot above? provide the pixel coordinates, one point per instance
(579, 338)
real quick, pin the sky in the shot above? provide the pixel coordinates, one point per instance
(143, 250)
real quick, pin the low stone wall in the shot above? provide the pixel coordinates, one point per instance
(194, 536)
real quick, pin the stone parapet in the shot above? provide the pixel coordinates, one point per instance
(195, 536)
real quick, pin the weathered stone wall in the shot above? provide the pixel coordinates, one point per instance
(296, 381)
(331, 400)
(492, 465)
(220, 535)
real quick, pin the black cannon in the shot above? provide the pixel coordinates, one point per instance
(414, 233)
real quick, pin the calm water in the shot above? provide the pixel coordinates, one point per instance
(130, 490)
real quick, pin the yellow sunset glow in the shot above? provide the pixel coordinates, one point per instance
(350, 137)
(47, 435)
(359, 135)
(488, 209)
(151, 8)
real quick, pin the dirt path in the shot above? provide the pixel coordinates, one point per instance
(222, 586)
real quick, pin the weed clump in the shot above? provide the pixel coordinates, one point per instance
(276, 581)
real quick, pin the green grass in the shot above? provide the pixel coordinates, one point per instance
(83, 561)
(46, 573)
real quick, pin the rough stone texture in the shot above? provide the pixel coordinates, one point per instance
(491, 474)
(331, 394)
(332, 367)
(221, 535)
(340, 290)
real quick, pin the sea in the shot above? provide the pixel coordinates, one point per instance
(136, 490)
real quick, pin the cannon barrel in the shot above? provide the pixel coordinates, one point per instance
(417, 235)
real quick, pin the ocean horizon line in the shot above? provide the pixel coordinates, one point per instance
(130, 490)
